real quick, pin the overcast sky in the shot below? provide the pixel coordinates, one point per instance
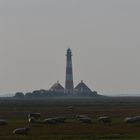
(104, 36)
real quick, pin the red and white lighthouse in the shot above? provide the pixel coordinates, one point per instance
(69, 73)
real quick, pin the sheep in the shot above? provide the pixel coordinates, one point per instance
(85, 120)
(50, 121)
(69, 107)
(3, 122)
(134, 119)
(81, 116)
(59, 119)
(34, 115)
(105, 119)
(129, 120)
(55, 120)
(21, 131)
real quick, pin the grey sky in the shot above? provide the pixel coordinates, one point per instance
(104, 36)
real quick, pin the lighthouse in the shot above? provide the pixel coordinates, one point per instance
(69, 73)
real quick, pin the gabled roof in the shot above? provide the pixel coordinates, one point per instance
(82, 87)
(56, 86)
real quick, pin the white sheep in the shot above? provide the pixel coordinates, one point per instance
(85, 120)
(134, 119)
(50, 121)
(21, 131)
(105, 119)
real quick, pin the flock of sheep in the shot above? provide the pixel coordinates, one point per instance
(34, 118)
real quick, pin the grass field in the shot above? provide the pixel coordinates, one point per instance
(16, 110)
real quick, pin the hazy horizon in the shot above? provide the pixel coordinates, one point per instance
(103, 36)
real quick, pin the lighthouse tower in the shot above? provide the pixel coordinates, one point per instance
(69, 73)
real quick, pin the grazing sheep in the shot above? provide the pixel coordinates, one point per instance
(129, 120)
(85, 120)
(50, 121)
(105, 119)
(134, 119)
(70, 107)
(34, 115)
(60, 119)
(21, 131)
(81, 116)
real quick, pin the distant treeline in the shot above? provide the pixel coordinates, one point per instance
(47, 93)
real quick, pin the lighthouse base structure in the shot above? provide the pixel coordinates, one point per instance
(58, 90)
